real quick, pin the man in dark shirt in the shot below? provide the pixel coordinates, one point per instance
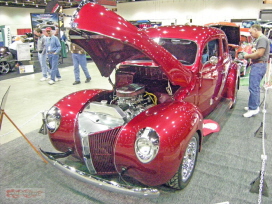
(79, 58)
(259, 57)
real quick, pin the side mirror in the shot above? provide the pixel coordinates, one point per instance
(214, 60)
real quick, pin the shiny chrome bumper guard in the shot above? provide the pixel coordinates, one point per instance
(101, 183)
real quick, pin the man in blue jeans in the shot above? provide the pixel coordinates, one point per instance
(53, 48)
(42, 55)
(259, 59)
(79, 58)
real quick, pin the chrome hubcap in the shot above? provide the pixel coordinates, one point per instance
(189, 159)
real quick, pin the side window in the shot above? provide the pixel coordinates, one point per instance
(211, 49)
(225, 46)
(205, 55)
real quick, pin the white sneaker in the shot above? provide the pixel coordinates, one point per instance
(51, 82)
(58, 79)
(250, 113)
(43, 79)
(246, 108)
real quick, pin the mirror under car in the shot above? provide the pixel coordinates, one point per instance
(213, 60)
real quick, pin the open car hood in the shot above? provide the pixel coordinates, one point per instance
(110, 40)
(231, 29)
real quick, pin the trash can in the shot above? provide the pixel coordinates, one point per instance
(63, 49)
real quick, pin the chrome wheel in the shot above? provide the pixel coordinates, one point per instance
(4, 67)
(186, 169)
(189, 159)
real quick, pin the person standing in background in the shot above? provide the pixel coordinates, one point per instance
(13, 49)
(42, 55)
(79, 58)
(53, 47)
(259, 57)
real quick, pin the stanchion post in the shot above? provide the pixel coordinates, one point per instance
(2, 114)
(35, 149)
(43, 129)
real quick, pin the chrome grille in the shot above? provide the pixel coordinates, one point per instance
(102, 149)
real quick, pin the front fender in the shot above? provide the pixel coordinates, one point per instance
(175, 123)
(64, 138)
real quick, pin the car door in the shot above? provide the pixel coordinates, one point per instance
(223, 68)
(211, 75)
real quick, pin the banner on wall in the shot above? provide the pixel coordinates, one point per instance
(5, 37)
(44, 20)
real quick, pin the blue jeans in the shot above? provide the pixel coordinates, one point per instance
(42, 60)
(80, 59)
(257, 72)
(54, 63)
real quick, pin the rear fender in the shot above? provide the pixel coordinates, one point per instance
(232, 83)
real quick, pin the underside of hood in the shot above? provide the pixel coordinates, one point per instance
(232, 31)
(110, 40)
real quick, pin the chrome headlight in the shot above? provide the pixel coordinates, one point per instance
(147, 145)
(53, 117)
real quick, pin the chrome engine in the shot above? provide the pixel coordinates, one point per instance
(128, 102)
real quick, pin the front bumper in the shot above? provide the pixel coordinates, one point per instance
(99, 182)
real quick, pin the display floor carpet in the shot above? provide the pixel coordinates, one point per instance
(229, 161)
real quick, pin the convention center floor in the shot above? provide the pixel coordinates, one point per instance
(227, 164)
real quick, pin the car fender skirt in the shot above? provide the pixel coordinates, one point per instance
(99, 182)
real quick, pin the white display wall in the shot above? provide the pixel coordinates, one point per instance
(166, 11)
(200, 11)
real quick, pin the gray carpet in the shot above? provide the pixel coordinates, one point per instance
(228, 163)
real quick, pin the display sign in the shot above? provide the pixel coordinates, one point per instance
(26, 69)
(23, 52)
(44, 20)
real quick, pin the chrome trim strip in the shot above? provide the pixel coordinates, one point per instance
(102, 183)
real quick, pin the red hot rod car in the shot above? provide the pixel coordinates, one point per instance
(149, 126)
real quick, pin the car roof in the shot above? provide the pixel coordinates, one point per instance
(194, 33)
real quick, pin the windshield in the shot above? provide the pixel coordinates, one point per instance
(184, 50)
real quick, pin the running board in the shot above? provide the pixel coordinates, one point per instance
(220, 111)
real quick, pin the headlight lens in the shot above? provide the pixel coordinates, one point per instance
(53, 117)
(147, 145)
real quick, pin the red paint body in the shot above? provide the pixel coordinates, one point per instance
(197, 88)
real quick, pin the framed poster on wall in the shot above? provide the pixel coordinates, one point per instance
(44, 20)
